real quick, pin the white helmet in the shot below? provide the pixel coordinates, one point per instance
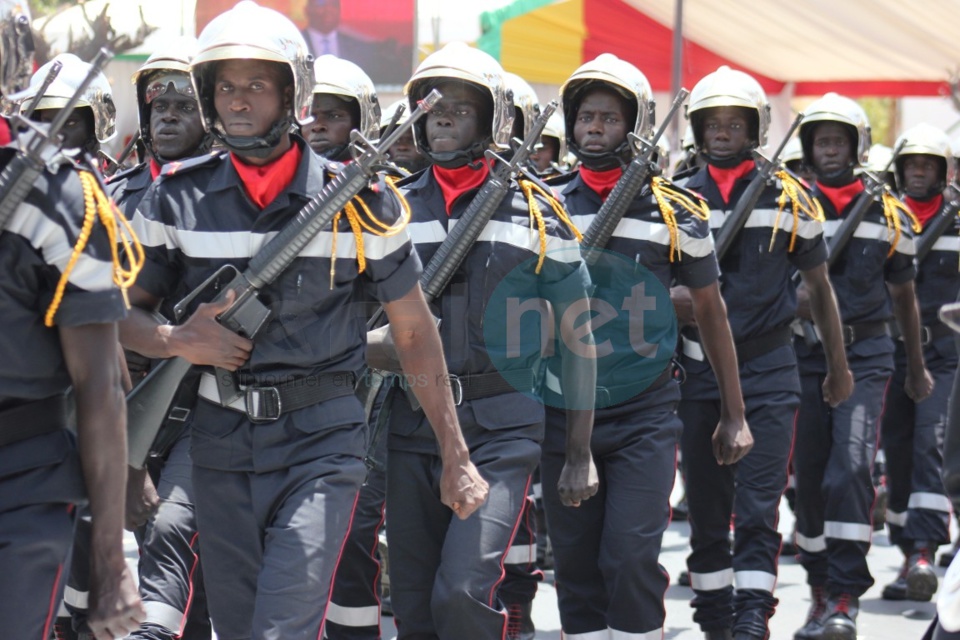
(525, 101)
(555, 129)
(343, 78)
(168, 65)
(457, 61)
(924, 139)
(728, 87)
(625, 79)
(793, 151)
(98, 95)
(251, 32)
(16, 46)
(836, 108)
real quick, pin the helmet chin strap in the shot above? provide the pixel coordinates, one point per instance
(604, 160)
(838, 178)
(729, 162)
(461, 157)
(255, 146)
(930, 193)
(338, 153)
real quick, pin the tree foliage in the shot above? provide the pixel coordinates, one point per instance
(85, 42)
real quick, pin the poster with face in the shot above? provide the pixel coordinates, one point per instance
(378, 36)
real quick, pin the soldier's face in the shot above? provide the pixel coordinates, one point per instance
(405, 153)
(545, 154)
(250, 96)
(831, 148)
(455, 122)
(726, 131)
(77, 131)
(175, 126)
(332, 123)
(921, 172)
(601, 125)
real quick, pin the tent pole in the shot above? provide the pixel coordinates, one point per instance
(676, 80)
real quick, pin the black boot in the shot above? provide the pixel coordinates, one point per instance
(841, 620)
(921, 579)
(813, 627)
(718, 634)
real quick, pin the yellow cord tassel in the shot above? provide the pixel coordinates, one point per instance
(98, 206)
(891, 207)
(530, 190)
(665, 194)
(800, 201)
(367, 222)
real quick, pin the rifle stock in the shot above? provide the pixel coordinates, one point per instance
(598, 234)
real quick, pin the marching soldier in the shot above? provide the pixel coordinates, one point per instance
(171, 582)
(60, 303)
(445, 573)
(609, 582)
(729, 116)
(835, 446)
(404, 153)
(918, 510)
(548, 157)
(276, 471)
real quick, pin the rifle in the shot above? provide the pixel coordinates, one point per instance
(42, 90)
(745, 205)
(598, 234)
(874, 187)
(147, 404)
(444, 263)
(115, 165)
(38, 147)
(941, 223)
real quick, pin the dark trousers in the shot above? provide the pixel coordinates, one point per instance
(445, 572)
(35, 543)
(171, 581)
(833, 461)
(606, 550)
(271, 541)
(912, 435)
(354, 611)
(747, 493)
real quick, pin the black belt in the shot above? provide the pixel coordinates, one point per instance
(483, 385)
(863, 330)
(268, 403)
(928, 333)
(763, 344)
(32, 419)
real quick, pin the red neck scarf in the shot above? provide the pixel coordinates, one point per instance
(264, 183)
(925, 209)
(4, 132)
(154, 169)
(455, 182)
(602, 182)
(726, 178)
(840, 197)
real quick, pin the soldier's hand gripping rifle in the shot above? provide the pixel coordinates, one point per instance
(943, 221)
(732, 226)
(39, 145)
(147, 404)
(598, 234)
(874, 187)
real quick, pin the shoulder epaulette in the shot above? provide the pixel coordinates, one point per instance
(560, 179)
(190, 164)
(126, 173)
(410, 179)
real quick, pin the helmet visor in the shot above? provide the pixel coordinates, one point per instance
(160, 84)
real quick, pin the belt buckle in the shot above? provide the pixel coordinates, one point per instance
(262, 404)
(456, 388)
(178, 414)
(848, 335)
